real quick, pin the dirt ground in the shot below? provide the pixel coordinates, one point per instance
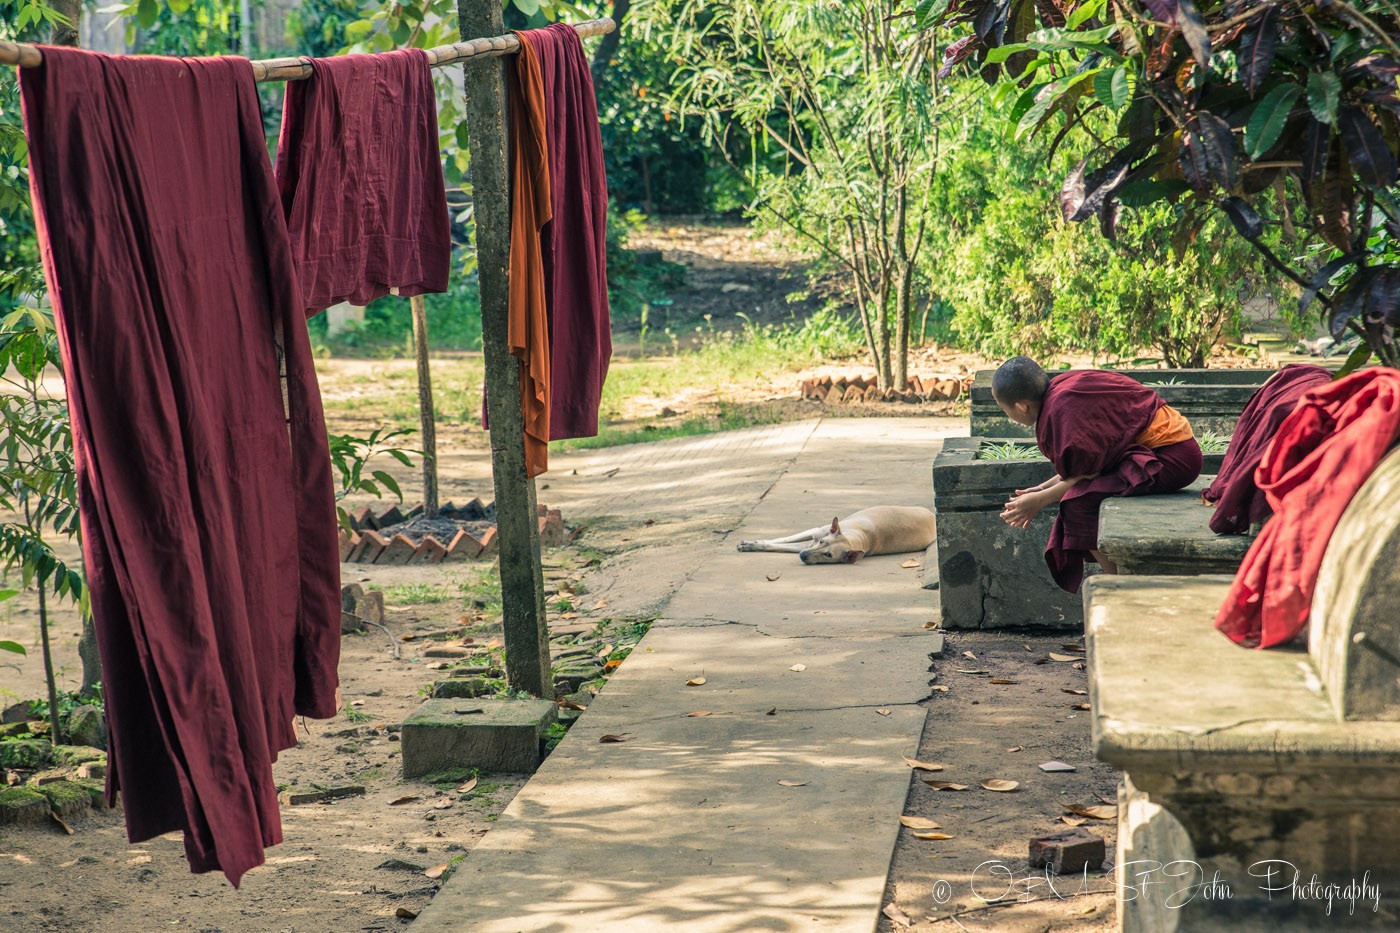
(335, 870)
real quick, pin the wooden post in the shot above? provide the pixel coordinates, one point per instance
(522, 580)
(426, 418)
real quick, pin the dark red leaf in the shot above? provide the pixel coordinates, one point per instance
(1072, 190)
(1383, 68)
(1385, 295)
(1050, 13)
(1320, 279)
(1246, 219)
(1109, 212)
(1317, 145)
(1257, 49)
(990, 22)
(957, 53)
(1193, 30)
(1366, 149)
(1162, 10)
(1208, 154)
(1350, 301)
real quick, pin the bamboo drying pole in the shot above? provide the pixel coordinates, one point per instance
(294, 69)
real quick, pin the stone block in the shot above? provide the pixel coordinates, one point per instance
(462, 688)
(364, 518)
(15, 712)
(96, 791)
(25, 754)
(23, 805)
(374, 544)
(490, 545)
(463, 547)
(390, 517)
(66, 799)
(1168, 534)
(1069, 852)
(300, 796)
(347, 541)
(12, 730)
(490, 734)
(96, 770)
(86, 726)
(431, 551)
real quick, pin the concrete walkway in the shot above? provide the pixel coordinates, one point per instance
(685, 825)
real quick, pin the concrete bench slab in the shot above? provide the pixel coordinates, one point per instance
(1168, 534)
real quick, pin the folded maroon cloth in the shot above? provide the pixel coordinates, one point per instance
(574, 242)
(1239, 502)
(207, 507)
(1322, 454)
(361, 179)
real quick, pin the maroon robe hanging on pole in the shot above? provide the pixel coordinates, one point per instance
(1239, 502)
(361, 179)
(209, 529)
(574, 242)
(1089, 423)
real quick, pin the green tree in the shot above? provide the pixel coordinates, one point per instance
(829, 102)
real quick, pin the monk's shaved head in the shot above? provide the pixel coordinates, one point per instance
(1020, 379)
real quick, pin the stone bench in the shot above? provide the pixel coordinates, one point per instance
(1168, 534)
(1245, 770)
(1211, 399)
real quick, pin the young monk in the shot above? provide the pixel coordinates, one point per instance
(1106, 435)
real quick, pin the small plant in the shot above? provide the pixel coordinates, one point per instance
(1008, 451)
(1212, 443)
(350, 455)
(411, 594)
(354, 715)
(554, 735)
(1168, 381)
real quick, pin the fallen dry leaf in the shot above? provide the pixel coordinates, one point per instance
(932, 835)
(1081, 706)
(969, 671)
(799, 668)
(773, 577)
(600, 604)
(442, 804)
(436, 871)
(1027, 647)
(945, 785)
(696, 681)
(1079, 648)
(568, 615)
(772, 712)
(468, 787)
(1002, 680)
(911, 564)
(1055, 766)
(59, 820)
(698, 713)
(931, 624)
(612, 665)
(786, 783)
(939, 689)
(884, 712)
(566, 703)
(969, 654)
(1078, 665)
(1098, 811)
(918, 765)
(1073, 820)
(999, 785)
(615, 738)
(1074, 690)
(898, 917)
(1063, 657)
(408, 798)
(1016, 748)
(403, 913)
(918, 822)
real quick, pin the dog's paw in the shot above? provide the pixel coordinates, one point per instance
(748, 546)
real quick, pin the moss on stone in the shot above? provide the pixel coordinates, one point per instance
(66, 798)
(96, 791)
(23, 805)
(71, 756)
(25, 754)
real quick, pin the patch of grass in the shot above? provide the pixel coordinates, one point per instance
(1008, 451)
(1212, 443)
(554, 735)
(450, 778)
(417, 594)
(729, 416)
(354, 715)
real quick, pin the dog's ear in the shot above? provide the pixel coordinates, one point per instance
(836, 526)
(853, 556)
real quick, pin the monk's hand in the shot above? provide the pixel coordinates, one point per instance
(1022, 509)
(1041, 487)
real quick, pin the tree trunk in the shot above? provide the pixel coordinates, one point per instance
(607, 46)
(66, 33)
(426, 419)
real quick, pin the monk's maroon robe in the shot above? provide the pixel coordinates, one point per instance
(1324, 451)
(1239, 502)
(208, 511)
(1089, 424)
(574, 242)
(361, 179)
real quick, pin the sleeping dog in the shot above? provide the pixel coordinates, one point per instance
(884, 529)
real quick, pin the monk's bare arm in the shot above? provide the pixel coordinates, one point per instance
(1022, 509)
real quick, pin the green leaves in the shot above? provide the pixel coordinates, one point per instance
(928, 11)
(1112, 88)
(1324, 91)
(1269, 118)
(146, 13)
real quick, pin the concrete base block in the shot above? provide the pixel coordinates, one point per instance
(493, 735)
